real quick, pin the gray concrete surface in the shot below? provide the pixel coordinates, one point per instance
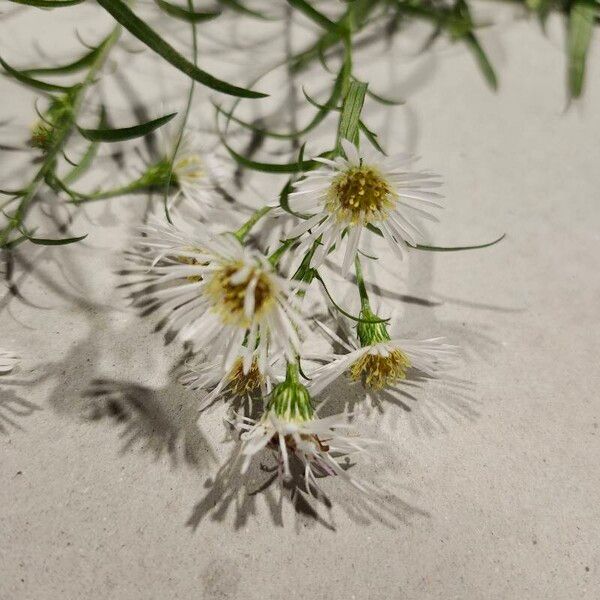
(501, 483)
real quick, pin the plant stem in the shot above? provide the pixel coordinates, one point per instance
(362, 288)
(138, 185)
(60, 138)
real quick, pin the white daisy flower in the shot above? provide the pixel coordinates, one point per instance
(235, 387)
(196, 170)
(222, 296)
(380, 362)
(292, 430)
(8, 361)
(359, 190)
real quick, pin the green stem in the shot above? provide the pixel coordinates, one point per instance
(292, 373)
(362, 288)
(186, 113)
(61, 136)
(138, 185)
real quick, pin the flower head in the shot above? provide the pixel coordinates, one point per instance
(360, 190)
(196, 171)
(292, 430)
(380, 362)
(223, 297)
(41, 136)
(237, 388)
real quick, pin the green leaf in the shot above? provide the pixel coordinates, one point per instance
(457, 248)
(53, 242)
(482, 60)
(378, 232)
(349, 124)
(324, 110)
(88, 157)
(86, 60)
(284, 198)
(372, 137)
(31, 82)
(48, 3)
(185, 15)
(328, 106)
(292, 167)
(314, 15)
(126, 17)
(581, 25)
(124, 133)
(317, 276)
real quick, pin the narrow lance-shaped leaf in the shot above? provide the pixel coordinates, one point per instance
(88, 157)
(72, 67)
(378, 232)
(31, 82)
(314, 15)
(124, 133)
(460, 26)
(292, 167)
(126, 17)
(349, 124)
(48, 3)
(581, 25)
(458, 248)
(482, 60)
(324, 110)
(317, 276)
(52, 241)
(184, 14)
(372, 137)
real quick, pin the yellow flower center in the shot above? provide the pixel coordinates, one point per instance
(377, 371)
(360, 195)
(242, 385)
(228, 297)
(189, 167)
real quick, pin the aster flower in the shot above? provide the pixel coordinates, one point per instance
(291, 429)
(237, 388)
(360, 190)
(380, 362)
(222, 296)
(195, 170)
(8, 361)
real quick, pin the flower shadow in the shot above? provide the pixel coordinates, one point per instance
(242, 494)
(157, 421)
(13, 408)
(430, 405)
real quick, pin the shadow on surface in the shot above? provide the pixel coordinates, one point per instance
(241, 493)
(13, 408)
(158, 421)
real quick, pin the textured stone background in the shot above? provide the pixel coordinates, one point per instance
(500, 478)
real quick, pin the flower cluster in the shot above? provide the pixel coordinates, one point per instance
(248, 324)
